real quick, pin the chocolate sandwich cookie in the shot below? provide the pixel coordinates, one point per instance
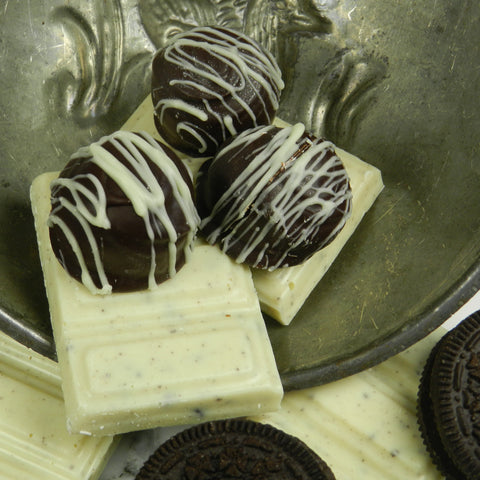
(449, 402)
(272, 196)
(123, 216)
(210, 83)
(234, 449)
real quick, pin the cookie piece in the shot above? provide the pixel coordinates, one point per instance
(208, 84)
(449, 402)
(272, 196)
(233, 449)
(123, 216)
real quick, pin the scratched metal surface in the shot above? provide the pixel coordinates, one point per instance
(394, 82)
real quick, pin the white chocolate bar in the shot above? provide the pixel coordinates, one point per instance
(195, 348)
(34, 443)
(365, 426)
(282, 292)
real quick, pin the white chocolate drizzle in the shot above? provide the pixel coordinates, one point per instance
(140, 187)
(254, 68)
(296, 190)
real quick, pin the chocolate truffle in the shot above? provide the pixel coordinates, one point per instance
(272, 197)
(234, 449)
(210, 83)
(123, 216)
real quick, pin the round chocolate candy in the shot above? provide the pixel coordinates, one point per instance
(123, 216)
(272, 197)
(210, 83)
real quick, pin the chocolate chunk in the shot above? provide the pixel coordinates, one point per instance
(210, 83)
(272, 197)
(123, 216)
(234, 449)
(449, 402)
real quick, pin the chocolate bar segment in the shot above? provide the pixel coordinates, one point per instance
(34, 441)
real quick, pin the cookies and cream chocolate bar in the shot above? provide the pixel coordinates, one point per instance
(365, 426)
(283, 291)
(34, 441)
(157, 343)
(192, 349)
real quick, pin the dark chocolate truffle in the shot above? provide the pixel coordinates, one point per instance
(123, 216)
(234, 449)
(449, 402)
(272, 197)
(210, 83)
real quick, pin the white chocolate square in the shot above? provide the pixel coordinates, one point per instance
(365, 426)
(282, 292)
(194, 349)
(34, 441)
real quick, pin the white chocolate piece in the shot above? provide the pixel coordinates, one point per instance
(282, 292)
(195, 348)
(365, 426)
(34, 443)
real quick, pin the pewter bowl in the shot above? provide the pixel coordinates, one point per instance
(395, 83)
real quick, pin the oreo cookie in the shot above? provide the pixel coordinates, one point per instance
(234, 449)
(449, 402)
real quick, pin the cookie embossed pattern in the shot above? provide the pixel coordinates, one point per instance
(449, 401)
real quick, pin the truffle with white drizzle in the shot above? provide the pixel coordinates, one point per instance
(272, 197)
(210, 83)
(123, 216)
